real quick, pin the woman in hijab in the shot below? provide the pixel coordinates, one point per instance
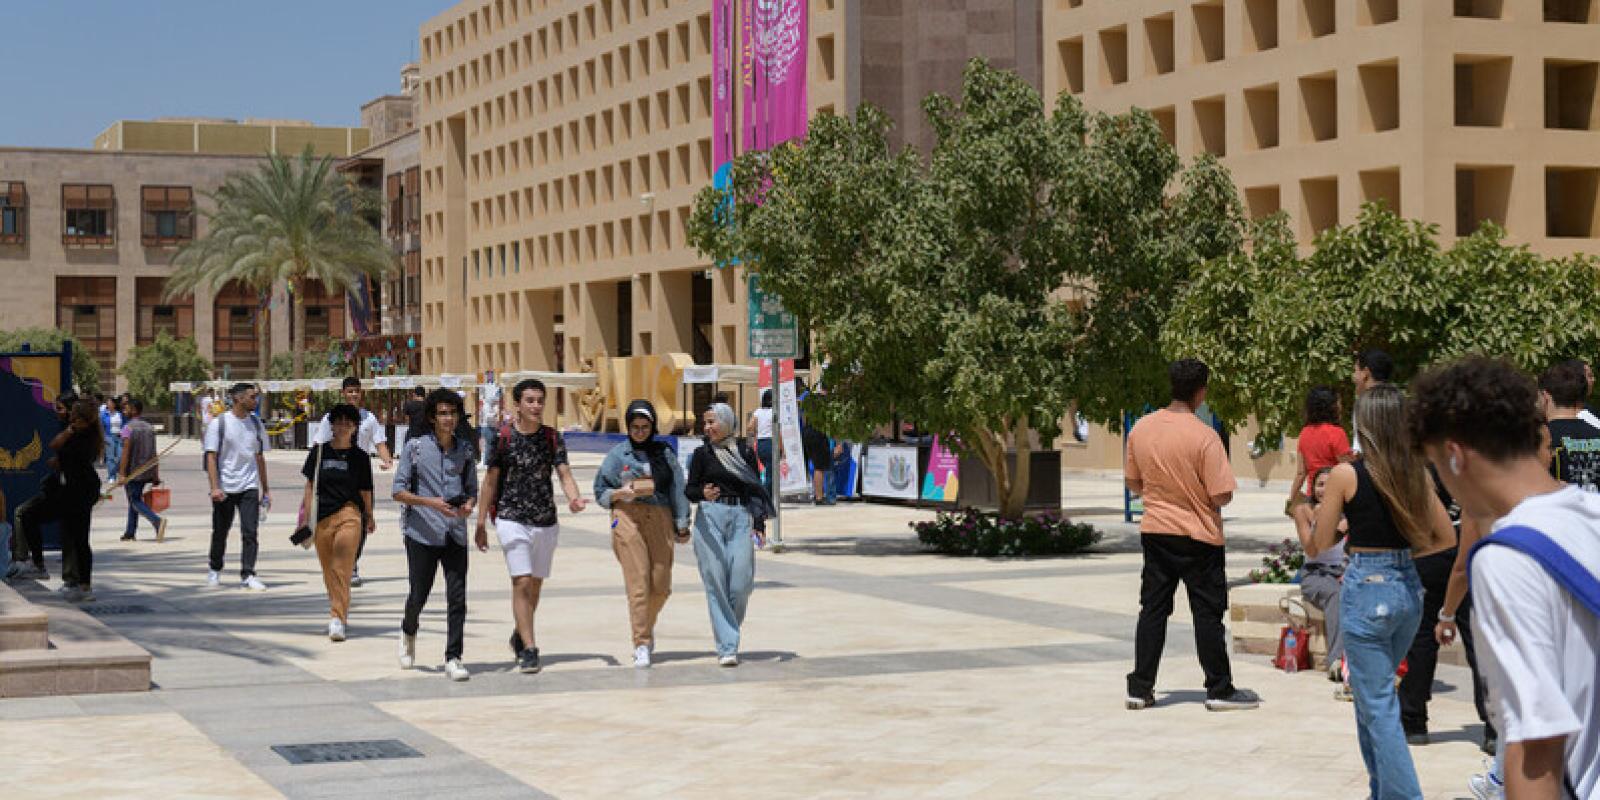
(642, 482)
(732, 520)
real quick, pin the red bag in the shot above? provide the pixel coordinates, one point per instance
(158, 498)
(1299, 653)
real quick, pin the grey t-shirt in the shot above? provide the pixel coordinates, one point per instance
(236, 464)
(141, 448)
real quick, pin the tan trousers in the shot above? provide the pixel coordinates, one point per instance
(642, 539)
(336, 540)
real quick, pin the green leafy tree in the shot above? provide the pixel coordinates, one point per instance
(1024, 268)
(293, 221)
(1273, 323)
(151, 368)
(85, 370)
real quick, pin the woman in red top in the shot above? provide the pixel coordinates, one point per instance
(1322, 442)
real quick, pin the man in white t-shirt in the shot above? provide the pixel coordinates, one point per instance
(1479, 423)
(372, 440)
(234, 444)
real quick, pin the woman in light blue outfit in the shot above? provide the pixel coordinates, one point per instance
(731, 521)
(1393, 513)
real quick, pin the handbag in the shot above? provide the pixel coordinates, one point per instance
(302, 534)
(1294, 641)
(158, 498)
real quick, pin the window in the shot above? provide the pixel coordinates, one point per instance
(88, 214)
(167, 214)
(13, 212)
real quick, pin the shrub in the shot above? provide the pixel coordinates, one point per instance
(972, 533)
(1281, 563)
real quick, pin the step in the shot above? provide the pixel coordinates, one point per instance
(22, 625)
(82, 655)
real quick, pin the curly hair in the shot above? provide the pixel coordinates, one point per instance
(1322, 405)
(1485, 404)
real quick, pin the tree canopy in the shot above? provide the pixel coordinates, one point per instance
(151, 368)
(1023, 269)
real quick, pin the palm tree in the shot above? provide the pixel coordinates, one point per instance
(292, 221)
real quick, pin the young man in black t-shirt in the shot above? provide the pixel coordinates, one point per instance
(517, 493)
(1574, 442)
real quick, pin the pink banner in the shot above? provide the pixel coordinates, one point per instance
(772, 58)
(721, 82)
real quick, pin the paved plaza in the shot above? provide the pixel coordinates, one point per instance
(870, 669)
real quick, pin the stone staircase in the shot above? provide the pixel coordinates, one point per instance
(48, 647)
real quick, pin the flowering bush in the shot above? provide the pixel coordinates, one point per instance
(1281, 563)
(972, 533)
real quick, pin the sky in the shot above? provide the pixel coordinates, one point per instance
(79, 65)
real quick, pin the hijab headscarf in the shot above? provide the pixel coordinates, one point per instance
(726, 450)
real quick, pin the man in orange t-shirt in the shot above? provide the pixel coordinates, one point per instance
(1177, 463)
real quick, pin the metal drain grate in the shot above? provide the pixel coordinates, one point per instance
(339, 752)
(115, 609)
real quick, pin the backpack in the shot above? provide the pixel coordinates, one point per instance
(500, 439)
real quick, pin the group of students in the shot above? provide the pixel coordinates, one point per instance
(436, 480)
(1481, 476)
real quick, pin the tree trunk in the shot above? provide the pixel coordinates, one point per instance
(264, 337)
(298, 347)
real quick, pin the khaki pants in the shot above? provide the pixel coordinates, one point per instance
(336, 540)
(641, 536)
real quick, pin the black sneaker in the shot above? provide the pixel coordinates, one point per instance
(516, 645)
(528, 661)
(1140, 702)
(1240, 700)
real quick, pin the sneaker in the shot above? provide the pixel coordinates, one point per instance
(355, 579)
(517, 645)
(1487, 785)
(641, 656)
(1240, 700)
(213, 579)
(1139, 703)
(454, 671)
(335, 630)
(729, 660)
(161, 530)
(528, 661)
(252, 584)
(408, 650)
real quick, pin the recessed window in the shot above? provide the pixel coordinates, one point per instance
(1261, 113)
(1317, 18)
(1319, 107)
(1569, 95)
(1158, 45)
(1570, 202)
(1381, 186)
(1482, 85)
(1579, 11)
(167, 215)
(1114, 56)
(13, 212)
(1210, 125)
(1209, 42)
(1380, 96)
(1483, 194)
(88, 215)
(1261, 24)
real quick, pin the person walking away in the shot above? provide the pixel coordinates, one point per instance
(760, 428)
(78, 459)
(1177, 464)
(27, 543)
(339, 477)
(1373, 368)
(1536, 599)
(235, 444)
(1392, 512)
(488, 414)
(642, 482)
(732, 520)
(372, 440)
(519, 494)
(139, 453)
(437, 481)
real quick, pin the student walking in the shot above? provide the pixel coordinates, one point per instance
(234, 446)
(437, 481)
(1177, 464)
(1392, 511)
(732, 519)
(339, 486)
(1536, 598)
(139, 453)
(519, 496)
(641, 481)
(370, 438)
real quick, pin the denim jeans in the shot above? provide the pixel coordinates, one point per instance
(1381, 606)
(137, 508)
(727, 560)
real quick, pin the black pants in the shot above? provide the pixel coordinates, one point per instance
(423, 563)
(1416, 688)
(28, 544)
(248, 504)
(1168, 560)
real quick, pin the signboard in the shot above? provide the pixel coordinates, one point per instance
(890, 471)
(774, 332)
(942, 482)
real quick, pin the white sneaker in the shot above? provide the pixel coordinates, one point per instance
(641, 656)
(252, 584)
(408, 650)
(454, 671)
(213, 579)
(335, 630)
(729, 660)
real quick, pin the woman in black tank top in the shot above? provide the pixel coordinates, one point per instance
(1392, 512)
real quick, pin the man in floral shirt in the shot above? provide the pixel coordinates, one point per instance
(519, 496)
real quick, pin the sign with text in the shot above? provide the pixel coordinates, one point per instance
(774, 332)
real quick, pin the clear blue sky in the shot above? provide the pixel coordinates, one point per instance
(79, 65)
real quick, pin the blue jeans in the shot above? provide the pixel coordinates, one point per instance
(137, 508)
(1380, 607)
(727, 568)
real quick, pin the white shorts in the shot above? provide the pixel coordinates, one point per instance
(529, 549)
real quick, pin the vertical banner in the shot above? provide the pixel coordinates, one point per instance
(793, 478)
(772, 71)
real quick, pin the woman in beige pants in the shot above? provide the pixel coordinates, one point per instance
(641, 482)
(343, 495)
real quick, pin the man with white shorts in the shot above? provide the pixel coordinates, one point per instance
(519, 496)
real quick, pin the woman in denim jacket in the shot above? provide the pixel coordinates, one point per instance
(642, 483)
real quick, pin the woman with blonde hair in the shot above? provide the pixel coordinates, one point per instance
(732, 518)
(1393, 514)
